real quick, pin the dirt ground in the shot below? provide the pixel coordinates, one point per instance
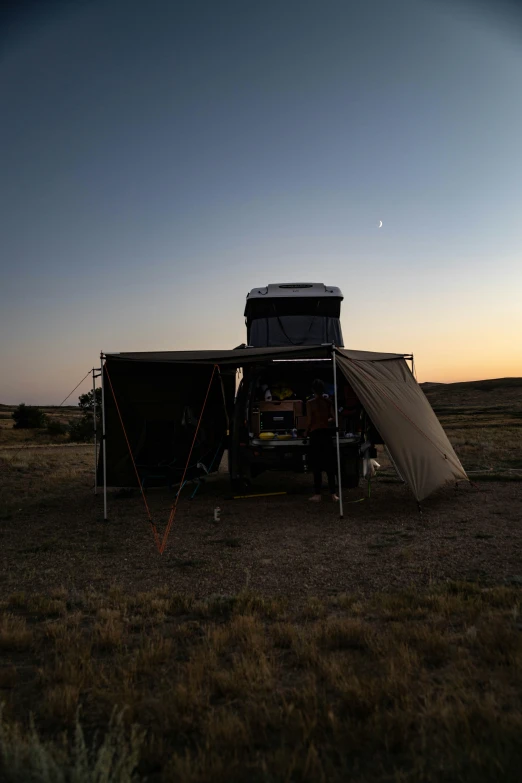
(52, 532)
(53, 535)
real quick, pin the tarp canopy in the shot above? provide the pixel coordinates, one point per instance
(241, 356)
(161, 394)
(405, 420)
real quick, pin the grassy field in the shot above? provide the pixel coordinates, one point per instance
(10, 437)
(483, 421)
(278, 645)
(417, 685)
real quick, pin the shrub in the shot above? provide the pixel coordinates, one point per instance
(55, 427)
(25, 756)
(81, 430)
(86, 401)
(27, 417)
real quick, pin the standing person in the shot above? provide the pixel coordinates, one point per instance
(320, 413)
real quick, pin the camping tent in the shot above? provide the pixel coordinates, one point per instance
(152, 401)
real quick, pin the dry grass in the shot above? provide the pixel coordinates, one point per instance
(354, 654)
(14, 633)
(415, 685)
(35, 474)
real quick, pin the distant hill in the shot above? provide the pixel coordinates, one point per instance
(488, 385)
(493, 402)
(43, 407)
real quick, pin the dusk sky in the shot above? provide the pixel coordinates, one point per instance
(160, 159)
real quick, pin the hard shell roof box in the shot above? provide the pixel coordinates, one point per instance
(294, 314)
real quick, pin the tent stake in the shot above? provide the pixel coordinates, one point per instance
(337, 436)
(104, 442)
(95, 432)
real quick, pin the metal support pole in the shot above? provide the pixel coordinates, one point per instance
(104, 442)
(337, 437)
(95, 432)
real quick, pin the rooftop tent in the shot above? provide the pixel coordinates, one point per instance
(294, 314)
(404, 418)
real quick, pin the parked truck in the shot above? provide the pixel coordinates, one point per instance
(270, 413)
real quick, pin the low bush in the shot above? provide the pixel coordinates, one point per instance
(81, 430)
(28, 417)
(55, 427)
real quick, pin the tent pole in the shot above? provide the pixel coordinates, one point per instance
(337, 436)
(104, 442)
(95, 432)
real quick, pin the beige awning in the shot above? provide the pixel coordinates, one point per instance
(405, 420)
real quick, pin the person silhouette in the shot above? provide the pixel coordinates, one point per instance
(321, 452)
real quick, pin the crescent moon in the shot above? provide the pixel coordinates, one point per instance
(380, 223)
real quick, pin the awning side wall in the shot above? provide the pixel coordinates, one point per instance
(406, 421)
(154, 400)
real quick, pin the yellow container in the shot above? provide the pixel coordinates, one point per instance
(267, 436)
